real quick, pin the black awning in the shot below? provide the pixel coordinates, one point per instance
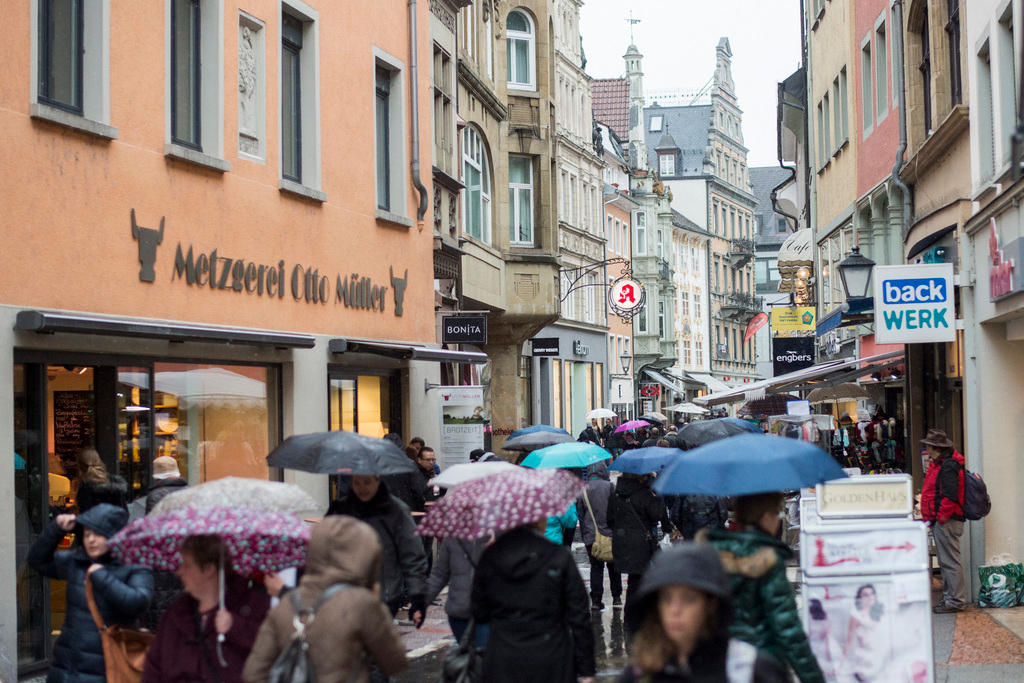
(404, 351)
(47, 323)
(928, 241)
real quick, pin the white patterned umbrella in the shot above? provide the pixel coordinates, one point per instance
(240, 492)
(468, 471)
(500, 502)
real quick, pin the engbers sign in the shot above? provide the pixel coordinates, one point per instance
(792, 353)
(273, 280)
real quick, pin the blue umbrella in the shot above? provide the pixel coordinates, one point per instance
(645, 460)
(748, 463)
(570, 454)
(537, 428)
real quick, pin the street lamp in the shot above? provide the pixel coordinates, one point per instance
(855, 271)
(626, 360)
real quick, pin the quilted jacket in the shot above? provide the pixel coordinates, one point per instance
(765, 610)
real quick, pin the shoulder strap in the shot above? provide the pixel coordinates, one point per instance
(91, 599)
(328, 593)
(586, 499)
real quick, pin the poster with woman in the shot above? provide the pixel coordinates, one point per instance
(871, 628)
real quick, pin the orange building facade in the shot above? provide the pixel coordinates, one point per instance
(216, 235)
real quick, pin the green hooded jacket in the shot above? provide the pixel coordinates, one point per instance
(762, 599)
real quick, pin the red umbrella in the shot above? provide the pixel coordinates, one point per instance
(500, 502)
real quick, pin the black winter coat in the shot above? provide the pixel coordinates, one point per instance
(114, 491)
(160, 489)
(408, 488)
(403, 560)
(633, 511)
(122, 592)
(531, 593)
(708, 664)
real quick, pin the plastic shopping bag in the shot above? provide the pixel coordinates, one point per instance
(1002, 585)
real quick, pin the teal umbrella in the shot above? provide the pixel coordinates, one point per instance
(570, 454)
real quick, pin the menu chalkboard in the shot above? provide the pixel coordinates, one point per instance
(74, 425)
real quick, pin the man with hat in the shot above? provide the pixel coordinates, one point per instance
(166, 479)
(942, 500)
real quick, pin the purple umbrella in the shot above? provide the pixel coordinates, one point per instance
(500, 502)
(632, 424)
(257, 540)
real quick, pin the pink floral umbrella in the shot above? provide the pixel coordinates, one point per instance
(257, 540)
(632, 424)
(500, 502)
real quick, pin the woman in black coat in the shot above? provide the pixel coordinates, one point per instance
(121, 592)
(633, 511)
(530, 592)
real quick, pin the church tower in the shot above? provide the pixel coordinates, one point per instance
(635, 76)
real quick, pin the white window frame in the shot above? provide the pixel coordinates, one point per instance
(867, 79)
(210, 152)
(640, 221)
(95, 116)
(660, 246)
(641, 321)
(475, 154)
(655, 124)
(667, 164)
(531, 41)
(397, 142)
(662, 320)
(881, 62)
(309, 60)
(515, 189)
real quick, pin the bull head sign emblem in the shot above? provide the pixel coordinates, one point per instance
(398, 287)
(148, 239)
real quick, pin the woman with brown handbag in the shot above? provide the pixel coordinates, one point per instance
(121, 592)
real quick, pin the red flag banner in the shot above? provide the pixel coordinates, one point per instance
(755, 324)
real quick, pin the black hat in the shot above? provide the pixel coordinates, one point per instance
(690, 564)
(104, 519)
(475, 454)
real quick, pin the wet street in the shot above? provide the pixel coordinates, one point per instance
(428, 649)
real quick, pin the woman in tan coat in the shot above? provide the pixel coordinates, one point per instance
(353, 627)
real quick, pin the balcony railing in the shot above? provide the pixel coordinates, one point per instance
(741, 305)
(741, 251)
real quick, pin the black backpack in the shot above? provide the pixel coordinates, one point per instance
(977, 504)
(293, 665)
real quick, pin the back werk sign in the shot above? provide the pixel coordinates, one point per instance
(302, 283)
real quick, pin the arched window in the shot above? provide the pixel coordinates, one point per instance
(476, 200)
(522, 58)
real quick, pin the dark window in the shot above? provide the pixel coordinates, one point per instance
(291, 97)
(926, 73)
(185, 80)
(953, 32)
(383, 142)
(60, 54)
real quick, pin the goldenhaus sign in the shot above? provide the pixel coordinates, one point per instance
(214, 270)
(914, 304)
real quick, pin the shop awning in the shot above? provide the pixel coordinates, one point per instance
(928, 241)
(664, 381)
(854, 312)
(714, 385)
(404, 351)
(47, 323)
(833, 371)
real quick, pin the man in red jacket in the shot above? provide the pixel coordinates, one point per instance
(942, 499)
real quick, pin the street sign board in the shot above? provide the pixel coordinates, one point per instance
(464, 329)
(861, 549)
(877, 495)
(793, 319)
(914, 304)
(792, 353)
(544, 346)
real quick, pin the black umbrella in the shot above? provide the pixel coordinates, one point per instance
(705, 431)
(340, 452)
(535, 440)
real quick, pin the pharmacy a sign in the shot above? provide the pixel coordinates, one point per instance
(914, 304)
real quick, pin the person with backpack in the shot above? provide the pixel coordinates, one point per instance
(942, 506)
(345, 626)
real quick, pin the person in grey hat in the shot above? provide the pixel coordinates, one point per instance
(121, 592)
(679, 619)
(942, 506)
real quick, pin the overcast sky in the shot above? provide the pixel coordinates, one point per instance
(677, 39)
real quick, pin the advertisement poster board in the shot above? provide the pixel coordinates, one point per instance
(790, 321)
(858, 549)
(462, 423)
(873, 627)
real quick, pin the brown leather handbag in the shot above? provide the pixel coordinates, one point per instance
(124, 649)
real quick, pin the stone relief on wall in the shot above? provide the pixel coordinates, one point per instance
(248, 86)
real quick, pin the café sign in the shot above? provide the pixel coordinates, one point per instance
(914, 304)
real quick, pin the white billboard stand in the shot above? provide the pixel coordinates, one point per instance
(866, 583)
